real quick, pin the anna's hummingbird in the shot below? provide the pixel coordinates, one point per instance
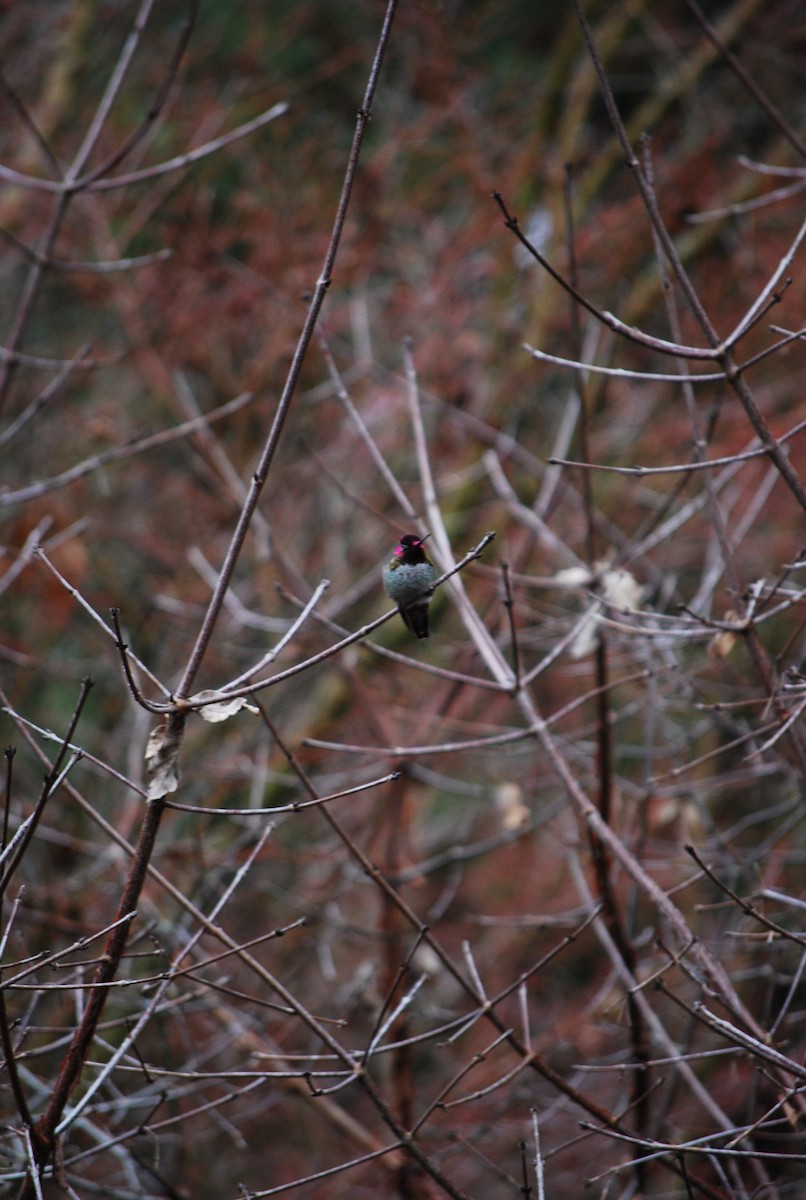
(407, 579)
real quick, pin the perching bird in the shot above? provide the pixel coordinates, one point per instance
(407, 579)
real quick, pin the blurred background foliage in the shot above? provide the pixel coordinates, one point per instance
(491, 95)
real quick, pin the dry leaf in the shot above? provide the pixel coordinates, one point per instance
(162, 759)
(722, 643)
(510, 804)
(221, 710)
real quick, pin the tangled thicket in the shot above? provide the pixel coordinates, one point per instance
(294, 904)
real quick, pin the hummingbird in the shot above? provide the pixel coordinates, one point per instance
(408, 579)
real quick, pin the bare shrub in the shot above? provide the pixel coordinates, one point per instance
(291, 902)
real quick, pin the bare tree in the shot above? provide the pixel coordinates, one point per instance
(293, 902)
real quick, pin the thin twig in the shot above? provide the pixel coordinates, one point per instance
(284, 403)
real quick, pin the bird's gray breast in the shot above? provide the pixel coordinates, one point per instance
(405, 583)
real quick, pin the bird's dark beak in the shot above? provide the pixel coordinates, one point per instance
(424, 539)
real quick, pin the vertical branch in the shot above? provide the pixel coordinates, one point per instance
(292, 378)
(578, 380)
(9, 754)
(9, 1049)
(509, 605)
(611, 908)
(485, 645)
(73, 1062)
